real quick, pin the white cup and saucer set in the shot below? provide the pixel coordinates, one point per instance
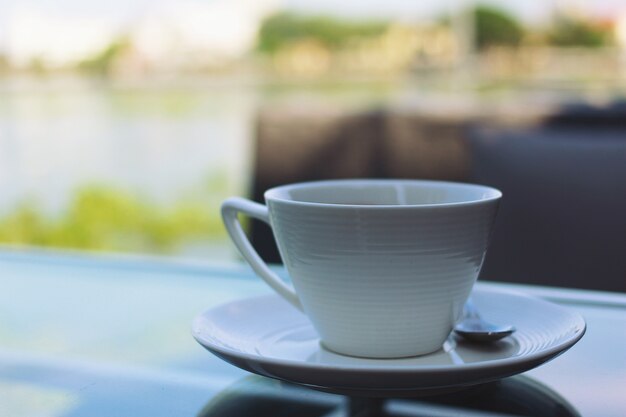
(380, 273)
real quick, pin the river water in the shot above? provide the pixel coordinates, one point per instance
(170, 140)
(160, 141)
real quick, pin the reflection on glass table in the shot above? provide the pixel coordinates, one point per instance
(515, 396)
(84, 336)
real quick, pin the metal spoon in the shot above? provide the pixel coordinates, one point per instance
(474, 328)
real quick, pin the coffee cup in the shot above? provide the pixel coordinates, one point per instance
(382, 268)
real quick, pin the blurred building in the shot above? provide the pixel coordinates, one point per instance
(620, 30)
(400, 48)
(193, 34)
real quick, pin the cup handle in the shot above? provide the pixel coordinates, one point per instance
(230, 209)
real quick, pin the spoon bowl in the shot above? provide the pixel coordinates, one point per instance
(473, 327)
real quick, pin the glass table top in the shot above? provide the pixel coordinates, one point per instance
(102, 336)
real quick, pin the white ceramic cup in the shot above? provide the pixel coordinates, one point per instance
(382, 268)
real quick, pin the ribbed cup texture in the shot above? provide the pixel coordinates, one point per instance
(383, 281)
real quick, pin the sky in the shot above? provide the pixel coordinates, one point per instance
(121, 10)
(120, 14)
(529, 10)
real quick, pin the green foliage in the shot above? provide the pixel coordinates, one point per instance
(282, 29)
(25, 224)
(102, 62)
(572, 32)
(103, 218)
(496, 27)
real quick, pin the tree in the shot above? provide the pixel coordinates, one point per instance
(568, 31)
(282, 29)
(496, 27)
(102, 62)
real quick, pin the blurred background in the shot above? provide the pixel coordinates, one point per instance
(124, 124)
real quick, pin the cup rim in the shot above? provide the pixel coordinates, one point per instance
(278, 193)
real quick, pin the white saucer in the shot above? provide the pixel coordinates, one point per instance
(267, 336)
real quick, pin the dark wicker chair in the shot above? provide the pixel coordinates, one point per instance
(563, 216)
